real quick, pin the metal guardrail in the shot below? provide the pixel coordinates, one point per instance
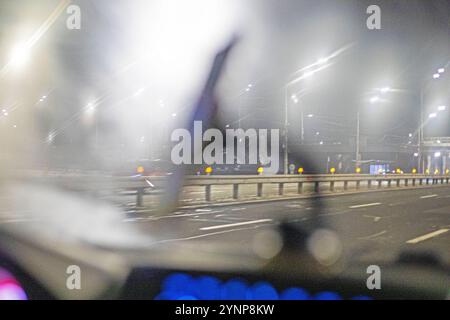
(141, 186)
(316, 180)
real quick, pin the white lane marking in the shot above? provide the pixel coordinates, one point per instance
(375, 218)
(203, 210)
(374, 235)
(429, 196)
(365, 205)
(427, 236)
(235, 224)
(205, 235)
(238, 209)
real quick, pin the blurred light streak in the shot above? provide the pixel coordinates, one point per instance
(324, 60)
(26, 47)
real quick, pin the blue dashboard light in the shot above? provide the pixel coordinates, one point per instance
(181, 286)
(177, 282)
(177, 285)
(295, 294)
(362, 298)
(187, 297)
(327, 295)
(207, 288)
(262, 291)
(234, 290)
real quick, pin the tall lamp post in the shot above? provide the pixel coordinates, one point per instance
(423, 89)
(286, 124)
(373, 100)
(321, 63)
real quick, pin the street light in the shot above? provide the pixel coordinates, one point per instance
(322, 60)
(90, 108)
(374, 99)
(19, 56)
(423, 90)
(442, 108)
(138, 92)
(322, 64)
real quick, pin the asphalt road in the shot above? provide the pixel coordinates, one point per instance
(371, 226)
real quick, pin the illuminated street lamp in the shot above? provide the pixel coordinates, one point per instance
(436, 76)
(138, 92)
(432, 115)
(442, 108)
(323, 60)
(374, 99)
(19, 56)
(441, 70)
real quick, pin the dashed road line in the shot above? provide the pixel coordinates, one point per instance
(427, 236)
(205, 235)
(365, 205)
(429, 196)
(374, 235)
(230, 225)
(375, 218)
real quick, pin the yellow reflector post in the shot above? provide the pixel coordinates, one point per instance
(300, 170)
(140, 169)
(358, 170)
(333, 170)
(208, 170)
(260, 170)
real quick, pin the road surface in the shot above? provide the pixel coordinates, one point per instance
(372, 226)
